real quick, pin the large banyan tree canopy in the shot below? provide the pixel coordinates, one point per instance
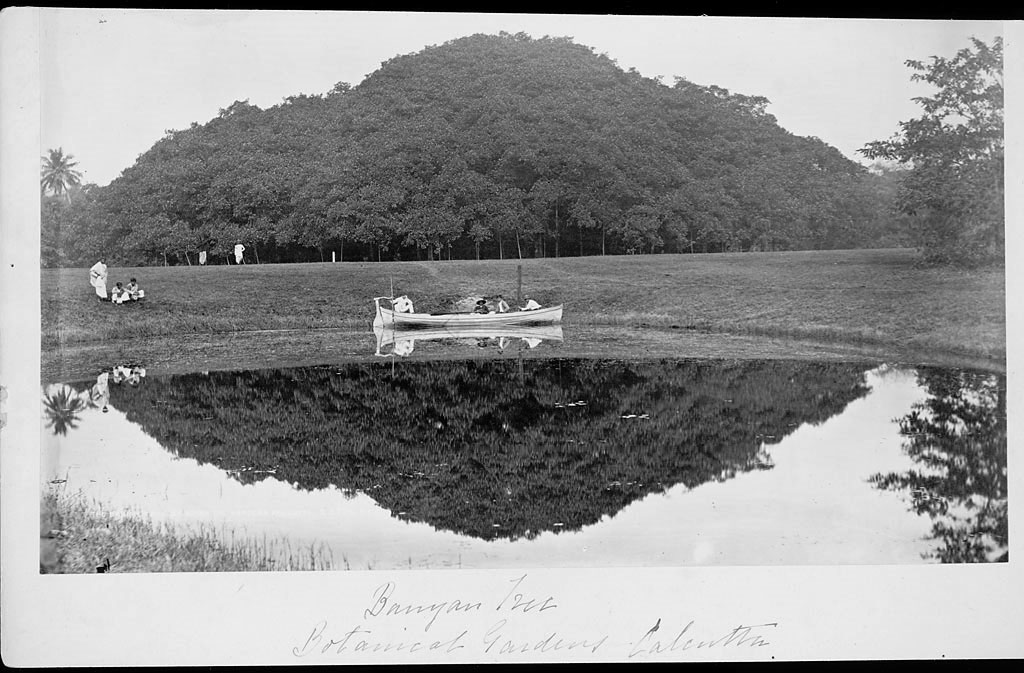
(487, 146)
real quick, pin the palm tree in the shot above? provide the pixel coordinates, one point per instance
(59, 174)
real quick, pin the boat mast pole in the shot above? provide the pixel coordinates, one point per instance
(519, 286)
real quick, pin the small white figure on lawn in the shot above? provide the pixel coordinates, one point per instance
(239, 249)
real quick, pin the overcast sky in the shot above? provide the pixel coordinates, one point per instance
(113, 81)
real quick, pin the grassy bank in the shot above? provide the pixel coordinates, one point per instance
(876, 297)
(76, 536)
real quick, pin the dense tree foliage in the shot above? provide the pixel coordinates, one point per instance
(957, 437)
(472, 447)
(955, 151)
(489, 146)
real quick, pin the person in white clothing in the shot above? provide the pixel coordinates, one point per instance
(531, 305)
(100, 393)
(402, 304)
(502, 305)
(403, 347)
(119, 295)
(98, 279)
(239, 249)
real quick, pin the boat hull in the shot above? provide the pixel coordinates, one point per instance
(542, 316)
(388, 337)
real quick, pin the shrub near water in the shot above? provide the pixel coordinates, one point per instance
(77, 536)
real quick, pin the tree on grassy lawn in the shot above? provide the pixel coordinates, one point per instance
(956, 154)
(59, 174)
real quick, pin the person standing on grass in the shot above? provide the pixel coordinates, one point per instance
(98, 279)
(239, 249)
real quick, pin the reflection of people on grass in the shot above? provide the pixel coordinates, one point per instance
(62, 405)
(99, 395)
(403, 347)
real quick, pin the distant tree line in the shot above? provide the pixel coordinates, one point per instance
(483, 147)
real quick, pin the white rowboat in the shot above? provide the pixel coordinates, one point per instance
(388, 317)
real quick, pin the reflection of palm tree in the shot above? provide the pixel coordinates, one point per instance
(59, 174)
(958, 439)
(62, 407)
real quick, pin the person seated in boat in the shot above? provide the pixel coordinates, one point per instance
(135, 293)
(402, 304)
(502, 304)
(481, 307)
(531, 305)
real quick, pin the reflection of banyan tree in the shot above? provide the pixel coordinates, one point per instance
(958, 438)
(470, 447)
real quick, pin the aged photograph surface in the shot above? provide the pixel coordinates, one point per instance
(387, 291)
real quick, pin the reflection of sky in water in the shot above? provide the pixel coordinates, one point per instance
(814, 507)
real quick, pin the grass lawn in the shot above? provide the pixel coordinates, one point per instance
(876, 297)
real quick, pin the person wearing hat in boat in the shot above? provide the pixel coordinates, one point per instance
(402, 304)
(481, 307)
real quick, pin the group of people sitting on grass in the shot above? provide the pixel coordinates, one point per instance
(120, 294)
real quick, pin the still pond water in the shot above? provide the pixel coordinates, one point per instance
(553, 461)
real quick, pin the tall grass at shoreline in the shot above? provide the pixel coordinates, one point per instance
(854, 296)
(77, 535)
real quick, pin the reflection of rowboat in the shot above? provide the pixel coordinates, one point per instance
(402, 342)
(391, 318)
